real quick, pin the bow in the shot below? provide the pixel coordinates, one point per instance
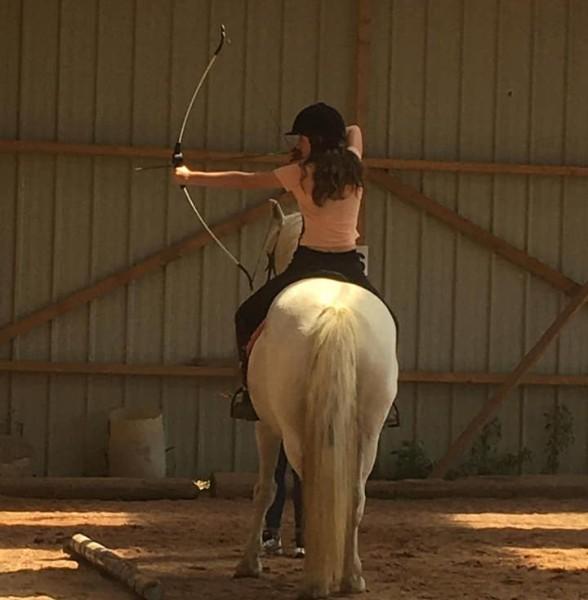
(178, 157)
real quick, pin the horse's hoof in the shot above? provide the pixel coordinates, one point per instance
(248, 569)
(353, 585)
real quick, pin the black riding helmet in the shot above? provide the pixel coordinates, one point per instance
(320, 121)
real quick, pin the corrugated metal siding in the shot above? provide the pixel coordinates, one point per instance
(450, 80)
(481, 81)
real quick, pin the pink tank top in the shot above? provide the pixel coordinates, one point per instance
(331, 227)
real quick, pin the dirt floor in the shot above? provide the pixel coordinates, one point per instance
(411, 549)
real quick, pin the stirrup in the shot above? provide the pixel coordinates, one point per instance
(241, 407)
(393, 418)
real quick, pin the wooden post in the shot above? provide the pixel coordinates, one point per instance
(466, 438)
(106, 561)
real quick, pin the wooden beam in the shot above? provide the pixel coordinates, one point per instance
(102, 488)
(140, 370)
(228, 369)
(477, 168)
(465, 439)
(133, 152)
(478, 378)
(196, 155)
(412, 196)
(230, 485)
(362, 61)
(147, 265)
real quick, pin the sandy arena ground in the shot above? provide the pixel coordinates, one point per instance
(411, 549)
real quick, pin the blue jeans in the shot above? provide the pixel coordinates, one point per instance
(273, 518)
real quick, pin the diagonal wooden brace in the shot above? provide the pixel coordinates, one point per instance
(125, 276)
(465, 439)
(410, 195)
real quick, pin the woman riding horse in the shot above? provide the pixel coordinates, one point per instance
(325, 177)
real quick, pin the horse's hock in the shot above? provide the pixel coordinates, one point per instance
(136, 444)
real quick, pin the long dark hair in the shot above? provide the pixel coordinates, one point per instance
(336, 170)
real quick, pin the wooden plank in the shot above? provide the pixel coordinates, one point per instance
(101, 488)
(230, 370)
(200, 155)
(410, 195)
(240, 485)
(465, 439)
(149, 264)
(142, 370)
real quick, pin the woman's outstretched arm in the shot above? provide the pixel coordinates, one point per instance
(229, 179)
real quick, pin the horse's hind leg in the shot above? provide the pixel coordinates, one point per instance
(353, 581)
(268, 447)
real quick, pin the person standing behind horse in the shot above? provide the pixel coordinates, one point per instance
(326, 180)
(271, 536)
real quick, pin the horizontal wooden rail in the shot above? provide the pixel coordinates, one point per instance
(30, 147)
(144, 370)
(477, 168)
(397, 164)
(229, 370)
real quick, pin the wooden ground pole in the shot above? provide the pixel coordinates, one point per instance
(109, 563)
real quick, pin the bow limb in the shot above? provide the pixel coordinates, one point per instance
(178, 156)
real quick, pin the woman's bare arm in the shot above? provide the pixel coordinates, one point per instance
(355, 138)
(228, 179)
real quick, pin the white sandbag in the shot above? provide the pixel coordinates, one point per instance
(136, 445)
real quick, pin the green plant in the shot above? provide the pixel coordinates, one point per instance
(484, 458)
(412, 461)
(559, 425)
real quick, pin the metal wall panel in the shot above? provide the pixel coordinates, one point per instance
(10, 41)
(483, 81)
(454, 80)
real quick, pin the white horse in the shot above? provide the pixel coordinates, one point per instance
(322, 377)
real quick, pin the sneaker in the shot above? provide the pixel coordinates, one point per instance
(241, 407)
(273, 546)
(299, 552)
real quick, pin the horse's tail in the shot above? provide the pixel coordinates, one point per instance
(330, 451)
